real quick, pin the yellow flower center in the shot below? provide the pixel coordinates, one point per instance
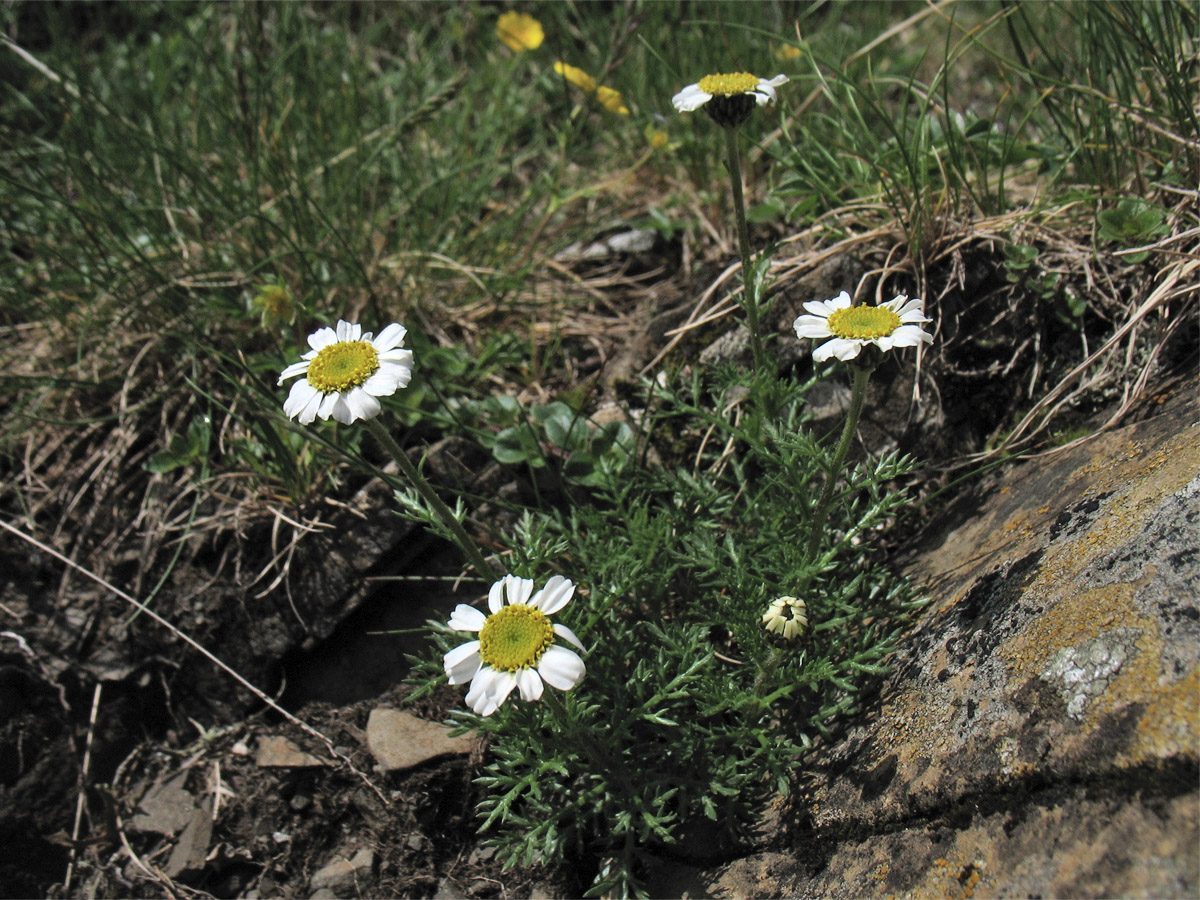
(862, 323)
(728, 85)
(342, 366)
(515, 638)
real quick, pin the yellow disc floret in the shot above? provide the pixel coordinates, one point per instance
(863, 323)
(342, 366)
(728, 85)
(515, 638)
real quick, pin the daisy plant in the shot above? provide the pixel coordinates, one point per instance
(858, 335)
(729, 100)
(345, 372)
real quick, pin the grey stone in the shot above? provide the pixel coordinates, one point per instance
(344, 875)
(166, 807)
(399, 740)
(278, 752)
(190, 853)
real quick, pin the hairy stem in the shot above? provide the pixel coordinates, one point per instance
(429, 495)
(749, 293)
(858, 395)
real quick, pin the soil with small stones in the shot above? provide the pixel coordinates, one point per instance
(88, 680)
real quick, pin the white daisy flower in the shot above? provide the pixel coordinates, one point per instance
(516, 646)
(346, 371)
(896, 323)
(733, 97)
(787, 616)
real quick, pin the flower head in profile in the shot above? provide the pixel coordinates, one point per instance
(787, 616)
(576, 76)
(518, 646)
(607, 97)
(896, 323)
(611, 100)
(346, 371)
(728, 99)
(519, 31)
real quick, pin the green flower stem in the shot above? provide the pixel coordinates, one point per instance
(749, 299)
(858, 395)
(429, 495)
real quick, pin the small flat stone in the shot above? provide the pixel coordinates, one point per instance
(191, 852)
(166, 807)
(399, 740)
(342, 874)
(278, 752)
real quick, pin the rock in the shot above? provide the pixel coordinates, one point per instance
(278, 752)
(399, 740)
(1039, 733)
(189, 855)
(166, 808)
(635, 242)
(449, 889)
(343, 875)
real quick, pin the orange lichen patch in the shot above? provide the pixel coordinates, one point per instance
(1171, 723)
(964, 876)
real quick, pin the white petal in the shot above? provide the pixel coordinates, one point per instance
(328, 402)
(340, 410)
(390, 337)
(554, 596)
(530, 685)
(294, 369)
(397, 357)
(841, 301)
(846, 348)
(840, 347)
(567, 635)
(690, 98)
(361, 404)
(517, 590)
(776, 81)
(302, 401)
(322, 338)
(462, 662)
(385, 381)
(812, 327)
(763, 94)
(821, 308)
(347, 331)
(489, 689)
(561, 668)
(909, 336)
(467, 618)
(496, 596)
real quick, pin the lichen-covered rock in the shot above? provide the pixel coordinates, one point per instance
(1039, 733)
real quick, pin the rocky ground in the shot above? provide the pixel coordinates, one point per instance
(1038, 735)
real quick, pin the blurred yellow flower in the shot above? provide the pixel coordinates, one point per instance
(787, 52)
(576, 76)
(519, 31)
(658, 139)
(607, 97)
(611, 100)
